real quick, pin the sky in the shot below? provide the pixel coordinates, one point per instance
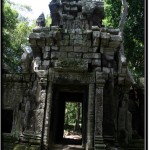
(37, 6)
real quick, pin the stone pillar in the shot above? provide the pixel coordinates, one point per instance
(98, 141)
(47, 114)
(90, 119)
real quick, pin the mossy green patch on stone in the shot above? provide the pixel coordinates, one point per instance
(34, 147)
(26, 147)
(20, 147)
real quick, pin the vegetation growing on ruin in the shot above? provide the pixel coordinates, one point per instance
(16, 29)
(133, 31)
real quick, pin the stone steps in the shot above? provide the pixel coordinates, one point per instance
(99, 143)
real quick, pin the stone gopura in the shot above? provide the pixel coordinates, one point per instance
(77, 56)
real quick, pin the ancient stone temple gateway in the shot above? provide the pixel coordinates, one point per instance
(75, 58)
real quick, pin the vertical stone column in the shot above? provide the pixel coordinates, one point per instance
(90, 119)
(47, 114)
(98, 137)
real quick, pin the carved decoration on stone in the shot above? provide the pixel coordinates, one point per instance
(26, 62)
(36, 64)
(40, 22)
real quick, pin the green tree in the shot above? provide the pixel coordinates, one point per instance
(15, 31)
(48, 20)
(133, 31)
(73, 113)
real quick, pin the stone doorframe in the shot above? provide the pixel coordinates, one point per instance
(95, 100)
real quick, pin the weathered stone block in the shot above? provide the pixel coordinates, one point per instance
(63, 42)
(87, 60)
(42, 35)
(66, 8)
(91, 55)
(78, 42)
(40, 42)
(124, 70)
(96, 34)
(55, 28)
(34, 36)
(50, 35)
(106, 70)
(115, 38)
(86, 43)
(47, 48)
(80, 49)
(100, 77)
(78, 36)
(49, 41)
(72, 36)
(114, 44)
(93, 49)
(32, 41)
(65, 37)
(72, 31)
(96, 62)
(71, 42)
(113, 31)
(71, 64)
(55, 55)
(57, 35)
(87, 36)
(105, 35)
(46, 55)
(54, 48)
(108, 50)
(74, 8)
(46, 62)
(96, 42)
(74, 55)
(66, 48)
(95, 28)
(78, 30)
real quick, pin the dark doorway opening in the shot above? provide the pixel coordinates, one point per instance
(68, 119)
(7, 120)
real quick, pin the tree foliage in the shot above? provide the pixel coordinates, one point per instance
(73, 113)
(15, 30)
(133, 31)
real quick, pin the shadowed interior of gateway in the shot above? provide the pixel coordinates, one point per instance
(68, 117)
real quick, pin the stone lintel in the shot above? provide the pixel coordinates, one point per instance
(74, 77)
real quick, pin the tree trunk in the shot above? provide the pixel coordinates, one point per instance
(77, 126)
(122, 22)
(123, 15)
